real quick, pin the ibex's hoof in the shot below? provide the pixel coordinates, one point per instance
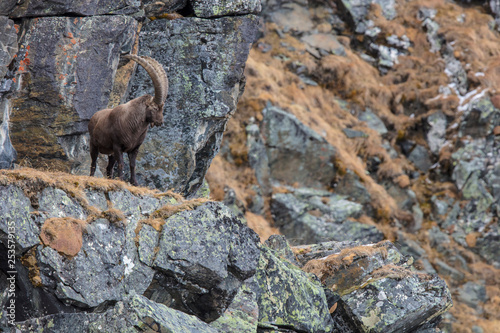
(134, 183)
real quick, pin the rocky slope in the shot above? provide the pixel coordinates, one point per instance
(370, 120)
(99, 255)
(326, 148)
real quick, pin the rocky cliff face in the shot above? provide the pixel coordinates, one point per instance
(68, 67)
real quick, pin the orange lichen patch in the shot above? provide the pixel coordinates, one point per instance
(29, 261)
(325, 267)
(260, 225)
(63, 235)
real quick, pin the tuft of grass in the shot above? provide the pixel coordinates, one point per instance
(33, 181)
(158, 218)
(325, 267)
(114, 215)
(29, 261)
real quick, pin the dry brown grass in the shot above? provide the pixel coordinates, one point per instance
(325, 267)
(411, 87)
(396, 272)
(114, 215)
(261, 226)
(29, 261)
(158, 218)
(33, 181)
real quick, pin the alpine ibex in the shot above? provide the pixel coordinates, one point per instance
(123, 128)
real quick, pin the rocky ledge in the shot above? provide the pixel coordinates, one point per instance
(94, 254)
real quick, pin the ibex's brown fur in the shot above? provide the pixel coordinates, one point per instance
(123, 128)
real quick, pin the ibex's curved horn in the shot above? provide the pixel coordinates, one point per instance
(163, 76)
(157, 74)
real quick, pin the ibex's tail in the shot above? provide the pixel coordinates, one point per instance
(157, 74)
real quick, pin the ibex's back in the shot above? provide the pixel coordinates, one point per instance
(123, 128)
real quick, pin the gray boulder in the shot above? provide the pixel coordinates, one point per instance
(8, 44)
(205, 61)
(309, 217)
(288, 151)
(379, 289)
(205, 281)
(373, 121)
(132, 314)
(62, 84)
(299, 305)
(356, 12)
(8, 49)
(7, 6)
(479, 119)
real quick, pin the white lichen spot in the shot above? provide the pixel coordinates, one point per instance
(129, 265)
(382, 296)
(372, 319)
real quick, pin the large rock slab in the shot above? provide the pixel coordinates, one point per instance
(8, 44)
(205, 61)
(288, 151)
(15, 218)
(40, 8)
(133, 313)
(379, 289)
(202, 281)
(66, 74)
(300, 305)
(356, 12)
(7, 6)
(76, 253)
(308, 216)
(8, 49)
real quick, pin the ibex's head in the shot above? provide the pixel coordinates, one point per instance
(154, 109)
(154, 114)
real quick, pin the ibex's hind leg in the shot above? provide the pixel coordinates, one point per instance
(131, 158)
(94, 153)
(111, 165)
(118, 155)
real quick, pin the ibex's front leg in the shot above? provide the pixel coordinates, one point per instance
(111, 165)
(131, 158)
(118, 155)
(94, 153)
